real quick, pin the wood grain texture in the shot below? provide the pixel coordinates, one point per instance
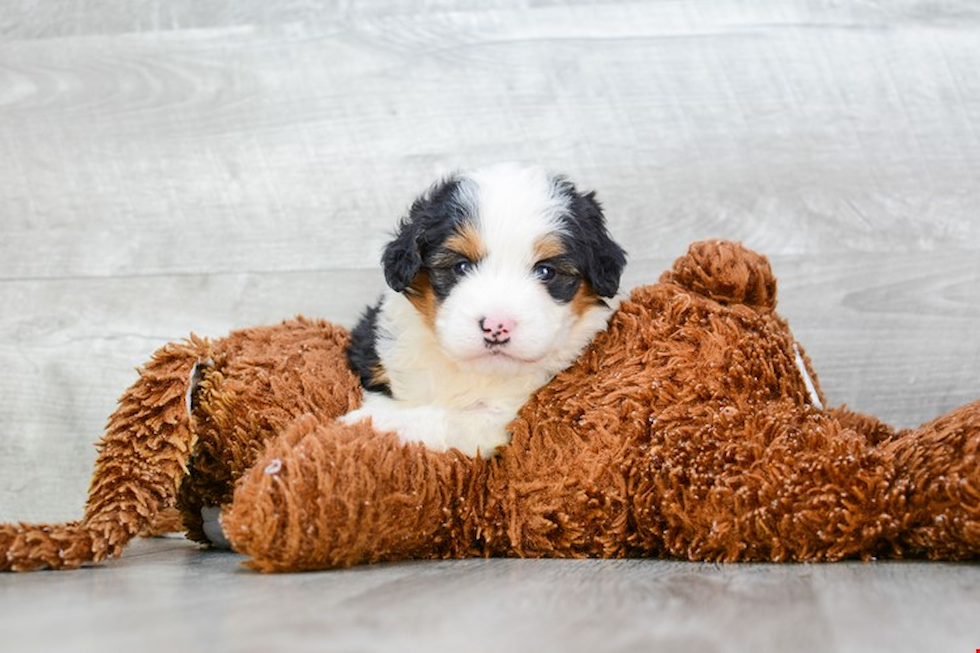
(166, 595)
(168, 167)
(161, 171)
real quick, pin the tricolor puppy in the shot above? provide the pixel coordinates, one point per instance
(498, 279)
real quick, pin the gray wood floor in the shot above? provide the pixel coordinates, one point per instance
(197, 166)
(165, 595)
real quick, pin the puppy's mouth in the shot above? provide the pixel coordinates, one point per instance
(500, 353)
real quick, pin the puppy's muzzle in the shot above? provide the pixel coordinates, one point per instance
(497, 330)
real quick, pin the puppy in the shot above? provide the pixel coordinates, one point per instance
(498, 279)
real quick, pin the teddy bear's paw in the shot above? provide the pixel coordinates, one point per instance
(726, 272)
(212, 527)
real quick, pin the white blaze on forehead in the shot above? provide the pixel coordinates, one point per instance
(514, 208)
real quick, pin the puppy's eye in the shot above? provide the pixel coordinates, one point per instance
(462, 268)
(545, 272)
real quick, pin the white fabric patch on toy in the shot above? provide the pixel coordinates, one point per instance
(807, 381)
(273, 467)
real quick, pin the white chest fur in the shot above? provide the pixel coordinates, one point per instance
(437, 401)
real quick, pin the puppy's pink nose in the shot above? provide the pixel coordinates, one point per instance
(497, 328)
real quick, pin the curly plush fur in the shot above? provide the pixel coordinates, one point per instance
(687, 429)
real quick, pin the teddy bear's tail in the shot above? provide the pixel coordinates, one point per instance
(143, 458)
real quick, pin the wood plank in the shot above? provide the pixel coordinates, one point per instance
(187, 166)
(70, 349)
(891, 336)
(138, 154)
(493, 605)
(167, 179)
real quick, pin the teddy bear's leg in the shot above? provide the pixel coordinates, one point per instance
(143, 457)
(329, 495)
(938, 467)
(168, 520)
(262, 379)
(774, 483)
(146, 451)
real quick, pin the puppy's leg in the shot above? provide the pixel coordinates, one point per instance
(479, 431)
(425, 424)
(476, 431)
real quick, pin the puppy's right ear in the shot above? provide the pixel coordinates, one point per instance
(434, 210)
(402, 258)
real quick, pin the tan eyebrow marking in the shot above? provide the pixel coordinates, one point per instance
(423, 298)
(467, 241)
(584, 299)
(379, 375)
(548, 246)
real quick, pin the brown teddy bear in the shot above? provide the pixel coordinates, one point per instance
(693, 427)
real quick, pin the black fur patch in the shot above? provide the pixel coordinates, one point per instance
(433, 218)
(441, 264)
(566, 281)
(588, 246)
(362, 352)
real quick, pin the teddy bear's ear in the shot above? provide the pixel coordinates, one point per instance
(726, 272)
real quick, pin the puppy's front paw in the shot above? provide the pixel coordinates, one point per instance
(475, 432)
(355, 416)
(423, 424)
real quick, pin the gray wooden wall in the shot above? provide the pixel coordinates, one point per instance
(168, 167)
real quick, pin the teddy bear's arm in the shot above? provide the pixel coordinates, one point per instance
(326, 494)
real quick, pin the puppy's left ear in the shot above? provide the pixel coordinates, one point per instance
(402, 258)
(604, 258)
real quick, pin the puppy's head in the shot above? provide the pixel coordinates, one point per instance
(508, 266)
